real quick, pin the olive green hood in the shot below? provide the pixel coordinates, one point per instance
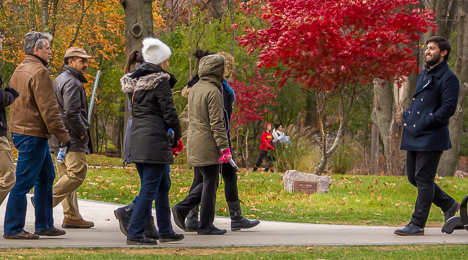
(211, 69)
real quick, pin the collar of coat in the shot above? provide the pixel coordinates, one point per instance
(148, 82)
(76, 73)
(35, 58)
(438, 70)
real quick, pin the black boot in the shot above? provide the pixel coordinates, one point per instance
(191, 224)
(150, 229)
(238, 222)
(255, 168)
(123, 215)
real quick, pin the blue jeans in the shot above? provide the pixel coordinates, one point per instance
(168, 169)
(35, 169)
(155, 185)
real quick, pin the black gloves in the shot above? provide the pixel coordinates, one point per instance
(12, 91)
(67, 144)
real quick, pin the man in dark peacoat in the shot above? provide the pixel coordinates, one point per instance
(426, 134)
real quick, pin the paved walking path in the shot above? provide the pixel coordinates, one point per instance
(106, 233)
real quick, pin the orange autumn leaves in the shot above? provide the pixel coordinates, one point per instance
(97, 26)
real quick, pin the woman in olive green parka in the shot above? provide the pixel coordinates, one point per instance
(206, 143)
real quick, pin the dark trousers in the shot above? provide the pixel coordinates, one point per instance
(155, 185)
(207, 190)
(421, 171)
(229, 175)
(261, 157)
(35, 169)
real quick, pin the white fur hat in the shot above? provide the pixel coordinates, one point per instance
(155, 51)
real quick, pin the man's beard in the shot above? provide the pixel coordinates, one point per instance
(435, 59)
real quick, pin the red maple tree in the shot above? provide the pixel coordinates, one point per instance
(332, 44)
(251, 98)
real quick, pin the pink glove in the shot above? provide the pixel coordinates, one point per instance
(180, 146)
(227, 156)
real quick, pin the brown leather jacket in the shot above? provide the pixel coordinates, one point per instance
(35, 112)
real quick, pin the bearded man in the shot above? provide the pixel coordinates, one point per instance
(426, 134)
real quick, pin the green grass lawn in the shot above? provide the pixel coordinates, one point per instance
(361, 200)
(277, 252)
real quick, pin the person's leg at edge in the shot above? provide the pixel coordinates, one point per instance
(7, 169)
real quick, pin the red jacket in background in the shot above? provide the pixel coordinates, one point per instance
(265, 141)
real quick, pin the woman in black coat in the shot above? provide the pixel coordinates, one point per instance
(151, 149)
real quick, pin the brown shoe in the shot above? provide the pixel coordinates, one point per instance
(76, 223)
(23, 235)
(52, 232)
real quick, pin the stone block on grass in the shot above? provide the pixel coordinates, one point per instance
(290, 176)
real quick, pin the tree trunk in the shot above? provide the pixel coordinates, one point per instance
(382, 115)
(449, 158)
(311, 110)
(138, 25)
(45, 15)
(374, 151)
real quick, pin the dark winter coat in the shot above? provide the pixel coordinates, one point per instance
(434, 102)
(153, 114)
(207, 133)
(7, 97)
(73, 106)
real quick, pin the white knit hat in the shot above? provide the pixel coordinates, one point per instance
(155, 51)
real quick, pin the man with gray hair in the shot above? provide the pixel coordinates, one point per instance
(34, 118)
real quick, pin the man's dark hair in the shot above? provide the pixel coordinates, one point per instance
(67, 60)
(444, 45)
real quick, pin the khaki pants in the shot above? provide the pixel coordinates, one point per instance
(72, 173)
(7, 169)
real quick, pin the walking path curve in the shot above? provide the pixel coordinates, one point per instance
(106, 233)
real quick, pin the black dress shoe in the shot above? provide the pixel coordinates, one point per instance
(410, 230)
(179, 217)
(141, 241)
(52, 232)
(214, 231)
(452, 211)
(22, 235)
(171, 238)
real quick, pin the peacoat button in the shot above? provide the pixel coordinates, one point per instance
(417, 112)
(414, 125)
(409, 112)
(422, 99)
(430, 114)
(405, 124)
(413, 98)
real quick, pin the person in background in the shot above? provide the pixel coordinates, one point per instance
(150, 148)
(228, 173)
(73, 106)
(277, 133)
(265, 149)
(7, 169)
(34, 116)
(206, 143)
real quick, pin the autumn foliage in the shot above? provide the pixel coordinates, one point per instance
(326, 44)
